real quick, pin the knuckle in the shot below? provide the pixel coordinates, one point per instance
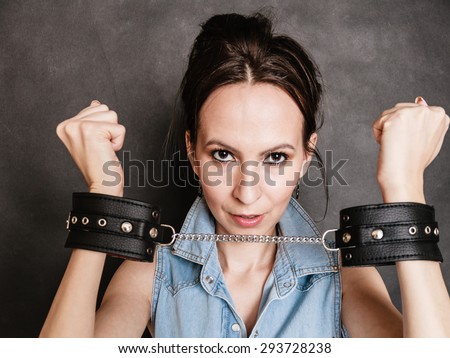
(60, 129)
(411, 110)
(71, 128)
(401, 113)
(423, 110)
(436, 112)
(440, 111)
(103, 107)
(86, 129)
(113, 115)
(85, 126)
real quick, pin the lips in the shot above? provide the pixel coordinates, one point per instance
(247, 220)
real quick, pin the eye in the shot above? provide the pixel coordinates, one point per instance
(222, 155)
(275, 158)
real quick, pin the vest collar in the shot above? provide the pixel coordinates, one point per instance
(300, 258)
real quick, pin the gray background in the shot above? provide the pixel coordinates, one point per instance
(56, 56)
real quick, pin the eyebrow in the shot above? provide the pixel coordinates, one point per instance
(234, 150)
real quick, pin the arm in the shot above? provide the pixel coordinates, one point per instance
(367, 309)
(125, 309)
(425, 300)
(413, 136)
(410, 137)
(72, 313)
(92, 138)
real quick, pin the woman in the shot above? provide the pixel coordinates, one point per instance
(251, 107)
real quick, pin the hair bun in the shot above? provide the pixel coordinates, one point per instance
(235, 34)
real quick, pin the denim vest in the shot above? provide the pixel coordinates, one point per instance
(301, 297)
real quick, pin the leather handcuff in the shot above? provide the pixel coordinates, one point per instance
(369, 235)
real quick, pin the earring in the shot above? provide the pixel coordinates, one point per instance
(296, 191)
(199, 188)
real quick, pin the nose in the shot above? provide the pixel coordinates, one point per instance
(248, 183)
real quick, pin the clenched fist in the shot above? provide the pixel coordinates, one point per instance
(92, 138)
(410, 137)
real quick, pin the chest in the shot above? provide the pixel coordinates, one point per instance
(193, 300)
(246, 290)
(191, 309)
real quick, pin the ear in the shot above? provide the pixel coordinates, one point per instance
(308, 156)
(312, 145)
(190, 152)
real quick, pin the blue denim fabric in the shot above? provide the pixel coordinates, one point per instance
(301, 297)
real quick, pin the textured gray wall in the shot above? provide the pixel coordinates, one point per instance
(56, 56)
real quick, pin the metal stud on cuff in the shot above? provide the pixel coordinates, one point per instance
(427, 230)
(126, 226)
(412, 230)
(85, 220)
(346, 237)
(377, 234)
(153, 232)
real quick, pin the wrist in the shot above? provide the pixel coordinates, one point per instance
(382, 234)
(121, 227)
(113, 190)
(407, 191)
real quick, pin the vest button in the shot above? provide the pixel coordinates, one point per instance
(235, 327)
(287, 284)
(209, 279)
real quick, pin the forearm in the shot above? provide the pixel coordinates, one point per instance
(72, 313)
(425, 300)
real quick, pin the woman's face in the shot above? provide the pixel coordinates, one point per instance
(249, 156)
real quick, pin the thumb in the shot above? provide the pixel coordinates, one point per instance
(421, 101)
(117, 138)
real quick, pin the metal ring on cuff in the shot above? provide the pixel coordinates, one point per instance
(173, 235)
(324, 241)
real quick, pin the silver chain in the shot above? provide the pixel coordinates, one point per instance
(248, 238)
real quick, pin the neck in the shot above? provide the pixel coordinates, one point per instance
(246, 256)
